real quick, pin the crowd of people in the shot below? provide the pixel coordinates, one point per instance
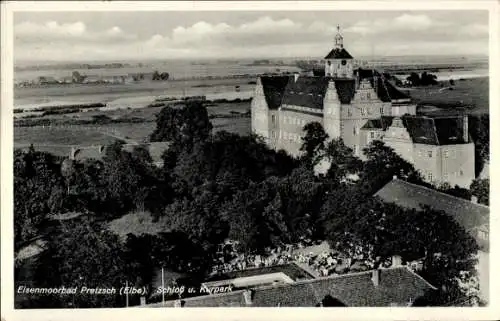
(318, 257)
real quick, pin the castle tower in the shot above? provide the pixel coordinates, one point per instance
(339, 63)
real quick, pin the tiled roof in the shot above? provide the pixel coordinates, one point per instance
(336, 53)
(274, 88)
(435, 130)
(426, 130)
(306, 92)
(309, 91)
(469, 215)
(397, 285)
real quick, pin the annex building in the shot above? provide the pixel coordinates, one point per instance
(359, 106)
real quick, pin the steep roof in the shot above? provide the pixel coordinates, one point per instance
(274, 88)
(306, 92)
(397, 285)
(385, 90)
(469, 215)
(345, 90)
(447, 130)
(337, 53)
(436, 130)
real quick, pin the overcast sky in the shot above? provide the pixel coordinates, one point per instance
(85, 36)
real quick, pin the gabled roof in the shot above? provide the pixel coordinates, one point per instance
(385, 90)
(469, 215)
(397, 285)
(274, 88)
(337, 53)
(306, 92)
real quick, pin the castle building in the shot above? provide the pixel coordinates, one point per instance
(360, 105)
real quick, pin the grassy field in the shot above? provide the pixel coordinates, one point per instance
(59, 140)
(472, 94)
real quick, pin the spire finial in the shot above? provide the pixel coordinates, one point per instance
(338, 39)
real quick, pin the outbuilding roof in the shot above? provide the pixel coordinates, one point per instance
(470, 216)
(397, 285)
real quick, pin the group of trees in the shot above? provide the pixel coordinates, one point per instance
(425, 79)
(160, 76)
(217, 186)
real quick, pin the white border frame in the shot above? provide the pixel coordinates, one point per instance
(6, 152)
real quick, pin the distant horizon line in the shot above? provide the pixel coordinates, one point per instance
(136, 60)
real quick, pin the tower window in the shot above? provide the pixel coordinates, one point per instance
(273, 119)
(429, 153)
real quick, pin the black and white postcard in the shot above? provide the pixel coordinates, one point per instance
(160, 157)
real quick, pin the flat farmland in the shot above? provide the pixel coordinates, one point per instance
(58, 139)
(470, 93)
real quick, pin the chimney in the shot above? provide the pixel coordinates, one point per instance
(473, 199)
(397, 261)
(248, 296)
(179, 303)
(296, 76)
(466, 128)
(376, 277)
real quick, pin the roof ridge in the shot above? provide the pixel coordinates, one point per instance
(436, 191)
(420, 277)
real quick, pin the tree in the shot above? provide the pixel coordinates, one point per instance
(254, 218)
(381, 165)
(342, 160)
(183, 125)
(37, 191)
(82, 254)
(313, 142)
(481, 189)
(414, 79)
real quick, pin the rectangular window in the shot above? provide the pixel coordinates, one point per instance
(368, 95)
(372, 135)
(429, 153)
(461, 173)
(273, 119)
(349, 113)
(445, 177)
(429, 177)
(445, 154)
(381, 110)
